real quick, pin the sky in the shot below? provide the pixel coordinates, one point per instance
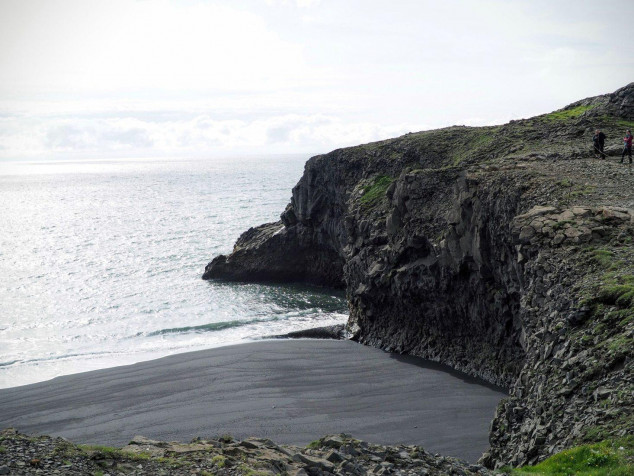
(202, 78)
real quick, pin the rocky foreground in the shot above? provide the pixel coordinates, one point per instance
(506, 252)
(222, 456)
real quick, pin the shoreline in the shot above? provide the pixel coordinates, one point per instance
(291, 391)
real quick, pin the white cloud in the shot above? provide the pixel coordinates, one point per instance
(206, 76)
(77, 46)
(298, 3)
(200, 135)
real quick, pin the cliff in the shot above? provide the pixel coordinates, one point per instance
(505, 252)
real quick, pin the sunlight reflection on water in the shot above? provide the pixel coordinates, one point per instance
(98, 259)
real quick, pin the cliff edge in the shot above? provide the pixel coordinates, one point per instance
(503, 251)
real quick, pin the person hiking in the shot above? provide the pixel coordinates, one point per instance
(599, 141)
(627, 146)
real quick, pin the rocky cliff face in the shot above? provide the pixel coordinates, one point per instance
(504, 251)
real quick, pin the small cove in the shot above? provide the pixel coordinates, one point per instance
(292, 391)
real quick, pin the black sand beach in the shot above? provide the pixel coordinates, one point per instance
(290, 391)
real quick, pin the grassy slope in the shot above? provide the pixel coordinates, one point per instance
(566, 133)
(609, 457)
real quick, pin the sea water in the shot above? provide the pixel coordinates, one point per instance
(101, 262)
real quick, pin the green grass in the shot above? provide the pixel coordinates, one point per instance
(613, 306)
(566, 114)
(376, 190)
(576, 190)
(313, 445)
(615, 276)
(219, 460)
(3, 449)
(619, 344)
(66, 449)
(565, 183)
(614, 126)
(474, 142)
(107, 450)
(444, 147)
(625, 316)
(581, 190)
(247, 471)
(114, 453)
(172, 462)
(601, 257)
(599, 459)
(626, 124)
(621, 294)
(595, 433)
(627, 279)
(621, 423)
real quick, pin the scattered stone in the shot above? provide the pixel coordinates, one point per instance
(335, 457)
(236, 458)
(332, 442)
(251, 444)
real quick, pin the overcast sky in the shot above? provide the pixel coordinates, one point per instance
(126, 78)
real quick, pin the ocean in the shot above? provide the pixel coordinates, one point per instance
(101, 262)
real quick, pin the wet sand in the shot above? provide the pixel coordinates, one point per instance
(292, 391)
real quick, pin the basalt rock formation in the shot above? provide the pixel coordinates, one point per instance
(505, 252)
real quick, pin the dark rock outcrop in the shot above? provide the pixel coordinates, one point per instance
(336, 332)
(274, 252)
(337, 455)
(482, 248)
